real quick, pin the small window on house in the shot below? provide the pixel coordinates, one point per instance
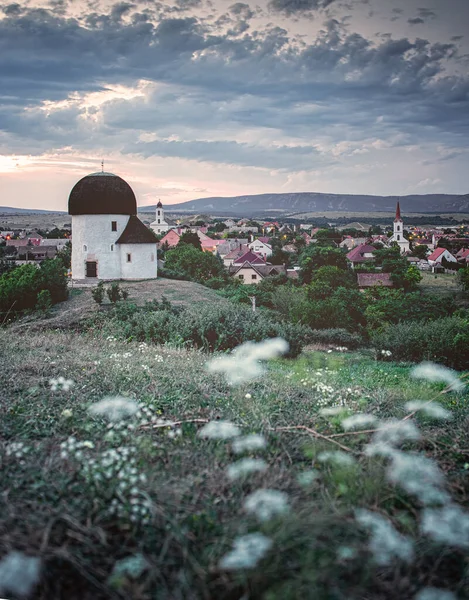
(241, 276)
(113, 225)
(112, 247)
(253, 276)
(129, 258)
(85, 248)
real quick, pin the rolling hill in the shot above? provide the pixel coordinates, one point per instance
(292, 203)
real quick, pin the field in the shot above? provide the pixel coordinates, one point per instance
(439, 284)
(145, 508)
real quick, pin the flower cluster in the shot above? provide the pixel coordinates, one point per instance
(243, 364)
(247, 551)
(19, 574)
(61, 384)
(17, 450)
(114, 473)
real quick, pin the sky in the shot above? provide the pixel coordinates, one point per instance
(188, 99)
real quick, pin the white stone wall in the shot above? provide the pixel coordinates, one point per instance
(142, 264)
(92, 240)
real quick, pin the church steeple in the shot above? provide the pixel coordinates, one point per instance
(398, 212)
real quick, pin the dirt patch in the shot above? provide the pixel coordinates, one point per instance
(80, 305)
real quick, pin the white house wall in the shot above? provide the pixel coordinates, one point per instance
(143, 263)
(92, 240)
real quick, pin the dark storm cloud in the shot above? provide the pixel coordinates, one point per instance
(297, 7)
(220, 75)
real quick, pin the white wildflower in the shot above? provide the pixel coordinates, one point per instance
(248, 396)
(332, 411)
(385, 542)
(307, 477)
(19, 574)
(114, 408)
(447, 525)
(431, 593)
(418, 476)
(266, 504)
(219, 430)
(243, 364)
(395, 432)
(360, 421)
(61, 384)
(247, 551)
(437, 373)
(244, 467)
(67, 413)
(430, 409)
(248, 443)
(336, 457)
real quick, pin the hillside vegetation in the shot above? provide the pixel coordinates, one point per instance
(146, 507)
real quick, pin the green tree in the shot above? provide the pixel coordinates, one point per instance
(462, 279)
(327, 279)
(328, 237)
(420, 251)
(313, 257)
(186, 260)
(65, 255)
(191, 239)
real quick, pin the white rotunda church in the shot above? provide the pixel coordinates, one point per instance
(109, 240)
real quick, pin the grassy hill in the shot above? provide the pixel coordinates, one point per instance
(86, 495)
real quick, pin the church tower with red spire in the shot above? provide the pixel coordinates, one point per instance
(398, 234)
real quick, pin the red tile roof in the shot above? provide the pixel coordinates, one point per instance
(436, 254)
(374, 279)
(250, 257)
(356, 255)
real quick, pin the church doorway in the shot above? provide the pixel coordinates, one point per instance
(91, 268)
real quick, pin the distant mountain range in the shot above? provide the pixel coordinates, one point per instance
(11, 210)
(304, 202)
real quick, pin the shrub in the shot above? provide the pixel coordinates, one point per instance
(44, 301)
(98, 293)
(443, 341)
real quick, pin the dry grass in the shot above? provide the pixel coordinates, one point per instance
(440, 284)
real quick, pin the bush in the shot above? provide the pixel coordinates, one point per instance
(98, 293)
(44, 301)
(211, 328)
(20, 287)
(443, 341)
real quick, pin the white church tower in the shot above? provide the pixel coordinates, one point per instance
(159, 225)
(398, 234)
(108, 239)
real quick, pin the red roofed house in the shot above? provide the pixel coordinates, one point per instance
(250, 257)
(436, 257)
(367, 280)
(229, 258)
(361, 254)
(253, 274)
(463, 255)
(171, 239)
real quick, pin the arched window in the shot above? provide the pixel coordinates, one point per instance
(85, 248)
(398, 237)
(158, 221)
(159, 213)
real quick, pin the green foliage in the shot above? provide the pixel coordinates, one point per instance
(443, 341)
(339, 337)
(44, 301)
(191, 239)
(65, 255)
(328, 237)
(19, 288)
(98, 293)
(212, 328)
(393, 306)
(462, 279)
(114, 292)
(313, 257)
(420, 251)
(193, 264)
(403, 275)
(327, 279)
(280, 257)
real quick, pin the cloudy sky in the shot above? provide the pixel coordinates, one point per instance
(194, 98)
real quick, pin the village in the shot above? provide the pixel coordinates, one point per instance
(250, 250)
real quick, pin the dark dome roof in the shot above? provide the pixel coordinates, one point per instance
(102, 194)
(159, 205)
